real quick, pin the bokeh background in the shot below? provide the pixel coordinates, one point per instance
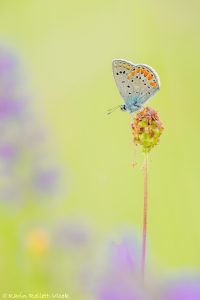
(66, 176)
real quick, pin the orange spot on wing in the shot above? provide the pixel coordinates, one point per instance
(131, 74)
(153, 84)
(138, 70)
(126, 66)
(150, 76)
(146, 73)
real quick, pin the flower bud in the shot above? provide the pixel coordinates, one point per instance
(147, 129)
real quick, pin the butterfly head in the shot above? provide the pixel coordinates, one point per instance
(128, 107)
(123, 107)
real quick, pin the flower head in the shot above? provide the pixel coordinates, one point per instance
(147, 129)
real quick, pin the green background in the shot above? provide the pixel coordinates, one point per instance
(67, 48)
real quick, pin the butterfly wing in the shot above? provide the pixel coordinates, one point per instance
(146, 82)
(136, 83)
(121, 69)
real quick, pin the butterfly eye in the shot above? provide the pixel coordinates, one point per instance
(123, 108)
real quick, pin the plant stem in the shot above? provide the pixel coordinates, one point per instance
(144, 235)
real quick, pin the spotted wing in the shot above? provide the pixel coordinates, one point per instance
(121, 70)
(145, 81)
(135, 82)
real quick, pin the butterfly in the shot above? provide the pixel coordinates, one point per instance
(136, 84)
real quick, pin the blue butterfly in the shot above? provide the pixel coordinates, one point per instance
(136, 84)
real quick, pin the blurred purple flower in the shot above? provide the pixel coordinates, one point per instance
(45, 181)
(185, 289)
(116, 288)
(124, 255)
(72, 234)
(10, 107)
(20, 133)
(7, 60)
(7, 151)
(121, 279)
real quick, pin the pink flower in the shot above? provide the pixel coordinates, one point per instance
(147, 129)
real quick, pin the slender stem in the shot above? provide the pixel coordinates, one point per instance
(144, 235)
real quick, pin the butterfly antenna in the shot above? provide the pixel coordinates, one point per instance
(111, 110)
